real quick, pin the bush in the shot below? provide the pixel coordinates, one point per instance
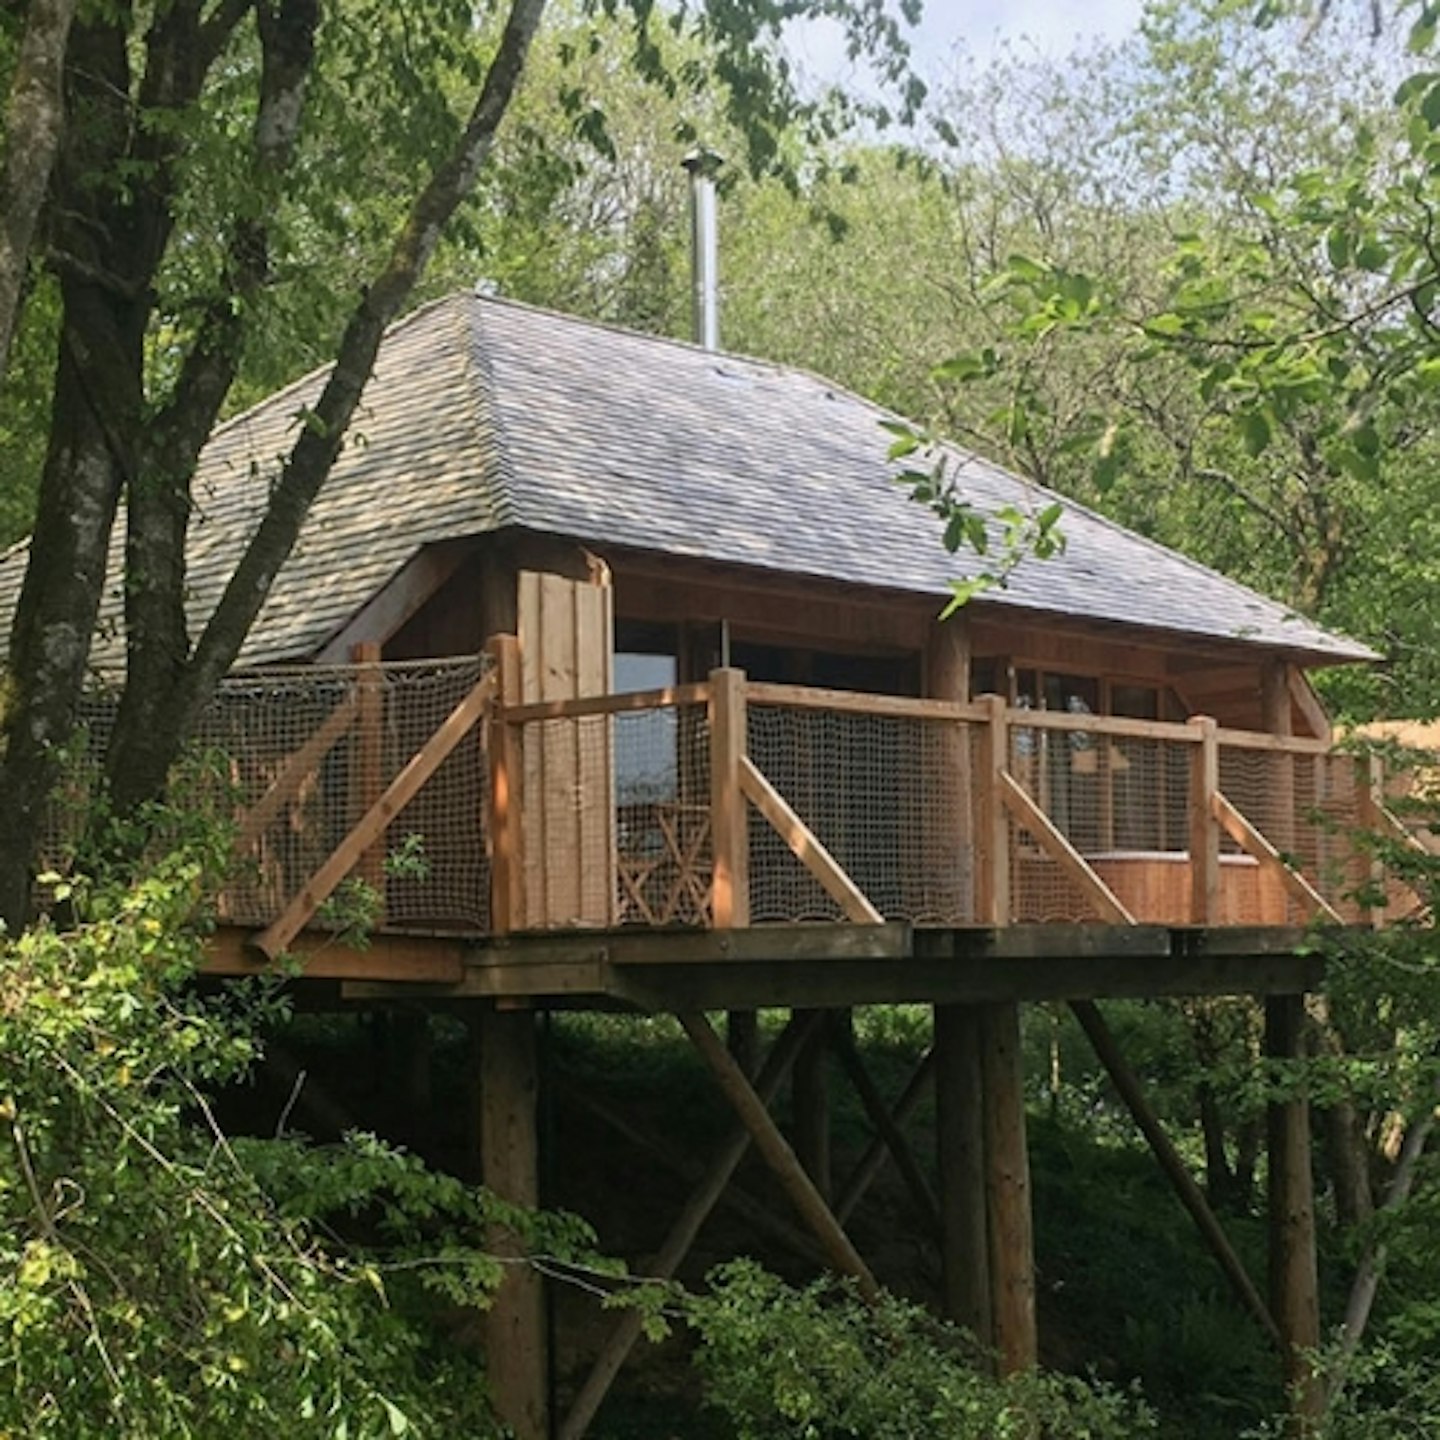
(158, 1280)
(819, 1364)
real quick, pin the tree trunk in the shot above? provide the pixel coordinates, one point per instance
(32, 136)
(59, 602)
(149, 753)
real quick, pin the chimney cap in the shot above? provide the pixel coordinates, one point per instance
(703, 161)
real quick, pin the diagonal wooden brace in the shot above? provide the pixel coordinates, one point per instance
(703, 1199)
(400, 791)
(777, 1153)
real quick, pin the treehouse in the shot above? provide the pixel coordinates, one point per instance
(607, 671)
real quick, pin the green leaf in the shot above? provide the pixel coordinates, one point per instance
(1255, 431)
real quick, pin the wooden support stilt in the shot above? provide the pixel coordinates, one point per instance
(960, 1138)
(879, 1113)
(777, 1153)
(682, 1233)
(869, 1165)
(1127, 1085)
(810, 1107)
(1294, 1283)
(1007, 1190)
(515, 1334)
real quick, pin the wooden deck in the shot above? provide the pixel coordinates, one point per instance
(657, 847)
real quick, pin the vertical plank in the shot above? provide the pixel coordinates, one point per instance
(960, 1140)
(729, 836)
(566, 644)
(506, 821)
(517, 1359)
(993, 897)
(1204, 830)
(1007, 1191)
(1294, 1283)
(369, 775)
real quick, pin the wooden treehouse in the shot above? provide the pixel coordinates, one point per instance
(607, 673)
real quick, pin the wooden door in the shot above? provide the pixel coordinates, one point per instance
(566, 631)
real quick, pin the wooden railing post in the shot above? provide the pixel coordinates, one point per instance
(368, 778)
(993, 828)
(507, 872)
(1204, 828)
(729, 836)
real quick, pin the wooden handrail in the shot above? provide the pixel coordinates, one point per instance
(1120, 727)
(586, 705)
(860, 702)
(1285, 744)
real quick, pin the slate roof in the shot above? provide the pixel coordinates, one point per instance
(484, 413)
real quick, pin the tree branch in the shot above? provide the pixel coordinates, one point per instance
(313, 455)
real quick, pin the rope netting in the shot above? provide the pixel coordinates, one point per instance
(1121, 802)
(298, 755)
(889, 797)
(616, 827)
(1309, 808)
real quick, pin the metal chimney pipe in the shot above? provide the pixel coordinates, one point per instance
(703, 166)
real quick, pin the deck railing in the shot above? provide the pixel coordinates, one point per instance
(730, 803)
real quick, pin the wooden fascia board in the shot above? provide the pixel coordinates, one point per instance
(415, 582)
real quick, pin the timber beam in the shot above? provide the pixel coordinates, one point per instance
(814, 966)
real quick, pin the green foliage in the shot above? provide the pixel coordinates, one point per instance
(157, 1278)
(818, 1362)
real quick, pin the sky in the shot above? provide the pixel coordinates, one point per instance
(1053, 26)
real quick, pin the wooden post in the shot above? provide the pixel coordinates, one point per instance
(369, 775)
(810, 1106)
(960, 1139)
(947, 810)
(1294, 1285)
(993, 887)
(1370, 795)
(1204, 829)
(517, 1361)
(1278, 719)
(729, 837)
(1007, 1190)
(507, 871)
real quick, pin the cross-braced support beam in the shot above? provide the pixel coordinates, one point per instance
(677, 1243)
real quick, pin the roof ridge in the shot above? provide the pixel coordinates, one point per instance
(480, 382)
(613, 327)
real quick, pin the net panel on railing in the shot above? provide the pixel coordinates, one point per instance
(1308, 807)
(1121, 802)
(310, 750)
(616, 819)
(888, 796)
(293, 758)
